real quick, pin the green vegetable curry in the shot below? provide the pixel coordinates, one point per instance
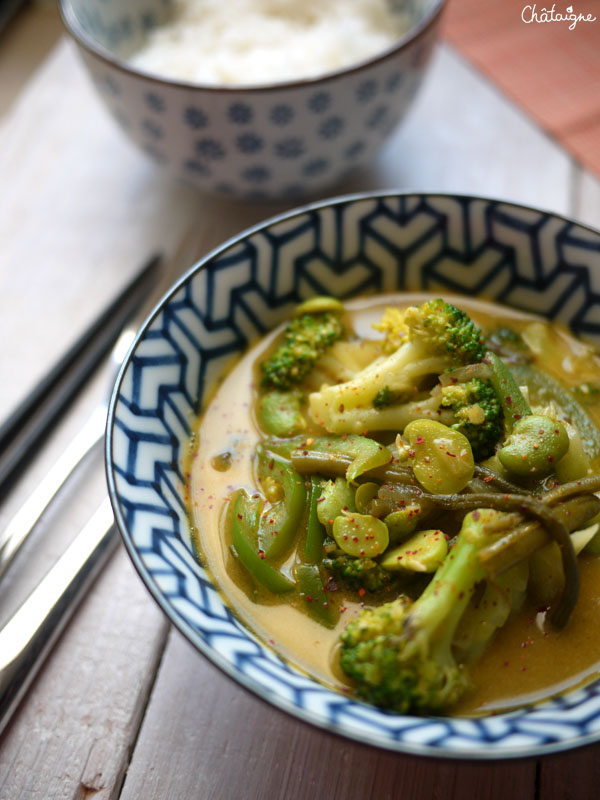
(400, 496)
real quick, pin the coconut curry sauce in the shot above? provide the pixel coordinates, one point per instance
(526, 661)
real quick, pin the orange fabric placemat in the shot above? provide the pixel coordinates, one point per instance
(551, 71)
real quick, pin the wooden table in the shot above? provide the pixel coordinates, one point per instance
(124, 706)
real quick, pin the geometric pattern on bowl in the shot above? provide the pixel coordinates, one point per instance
(525, 258)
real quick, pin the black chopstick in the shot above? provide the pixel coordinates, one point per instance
(33, 419)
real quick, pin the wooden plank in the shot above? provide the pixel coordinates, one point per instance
(75, 728)
(204, 736)
(571, 776)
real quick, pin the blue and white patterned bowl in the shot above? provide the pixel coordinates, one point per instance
(260, 142)
(519, 256)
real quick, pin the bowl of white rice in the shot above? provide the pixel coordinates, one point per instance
(256, 99)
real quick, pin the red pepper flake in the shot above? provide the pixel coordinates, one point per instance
(362, 592)
(239, 516)
(261, 553)
(308, 598)
(420, 440)
(508, 400)
(550, 458)
(452, 455)
(341, 409)
(271, 463)
(516, 416)
(488, 478)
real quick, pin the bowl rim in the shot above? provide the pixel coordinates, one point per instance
(282, 704)
(73, 27)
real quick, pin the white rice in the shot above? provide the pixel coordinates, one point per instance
(224, 42)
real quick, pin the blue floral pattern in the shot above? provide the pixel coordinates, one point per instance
(322, 116)
(525, 258)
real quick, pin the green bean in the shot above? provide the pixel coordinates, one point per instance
(315, 530)
(510, 396)
(495, 481)
(365, 454)
(332, 465)
(528, 537)
(582, 486)
(244, 518)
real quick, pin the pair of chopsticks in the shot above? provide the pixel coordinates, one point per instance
(29, 634)
(34, 418)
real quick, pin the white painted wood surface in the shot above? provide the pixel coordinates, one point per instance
(124, 707)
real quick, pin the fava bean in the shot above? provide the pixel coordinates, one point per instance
(441, 458)
(363, 496)
(401, 523)
(360, 535)
(336, 497)
(534, 446)
(280, 414)
(423, 552)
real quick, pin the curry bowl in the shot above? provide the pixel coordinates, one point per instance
(524, 258)
(276, 139)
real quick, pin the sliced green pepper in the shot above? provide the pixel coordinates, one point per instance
(507, 390)
(287, 491)
(315, 530)
(366, 453)
(316, 599)
(244, 519)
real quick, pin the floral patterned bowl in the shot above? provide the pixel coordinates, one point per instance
(383, 242)
(260, 142)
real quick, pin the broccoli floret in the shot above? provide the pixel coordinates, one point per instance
(304, 340)
(400, 654)
(478, 414)
(426, 341)
(358, 573)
